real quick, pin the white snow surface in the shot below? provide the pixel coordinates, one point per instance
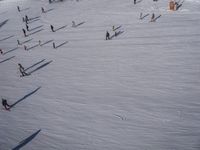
(138, 91)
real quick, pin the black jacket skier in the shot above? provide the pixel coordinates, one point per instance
(5, 104)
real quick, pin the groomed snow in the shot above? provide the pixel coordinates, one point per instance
(138, 91)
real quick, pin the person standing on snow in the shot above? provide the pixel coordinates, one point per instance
(22, 70)
(5, 104)
(24, 31)
(52, 28)
(107, 35)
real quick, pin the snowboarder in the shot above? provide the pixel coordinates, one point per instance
(107, 35)
(42, 10)
(52, 28)
(1, 51)
(153, 17)
(27, 27)
(22, 70)
(54, 46)
(18, 8)
(73, 24)
(5, 104)
(24, 31)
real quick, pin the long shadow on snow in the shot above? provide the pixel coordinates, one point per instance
(26, 140)
(36, 28)
(35, 32)
(61, 28)
(7, 59)
(10, 50)
(117, 34)
(34, 64)
(6, 38)
(23, 98)
(3, 23)
(62, 44)
(40, 67)
(46, 11)
(46, 42)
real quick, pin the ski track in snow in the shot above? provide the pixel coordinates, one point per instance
(138, 91)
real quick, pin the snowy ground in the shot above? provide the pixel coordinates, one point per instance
(138, 91)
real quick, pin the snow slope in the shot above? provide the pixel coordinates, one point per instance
(138, 91)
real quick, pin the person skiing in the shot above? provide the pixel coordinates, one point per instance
(24, 31)
(107, 35)
(5, 104)
(18, 42)
(153, 17)
(26, 18)
(27, 27)
(73, 24)
(18, 8)
(39, 42)
(22, 70)
(52, 28)
(1, 51)
(42, 10)
(134, 1)
(54, 46)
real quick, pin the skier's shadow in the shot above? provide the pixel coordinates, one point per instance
(33, 21)
(33, 18)
(61, 44)
(142, 17)
(61, 28)
(40, 67)
(14, 49)
(157, 17)
(34, 64)
(116, 34)
(6, 38)
(24, 9)
(35, 32)
(23, 98)
(3, 23)
(139, 1)
(7, 59)
(26, 41)
(26, 140)
(79, 24)
(32, 47)
(46, 11)
(36, 28)
(46, 42)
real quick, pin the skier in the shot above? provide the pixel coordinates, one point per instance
(140, 15)
(52, 28)
(107, 35)
(153, 17)
(23, 19)
(26, 18)
(18, 8)
(73, 24)
(18, 42)
(50, 1)
(25, 47)
(134, 1)
(42, 10)
(54, 46)
(24, 31)
(39, 42)
(113, 28)
(27, 27)
(1, 51)
(5, 104)
(22, 70)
